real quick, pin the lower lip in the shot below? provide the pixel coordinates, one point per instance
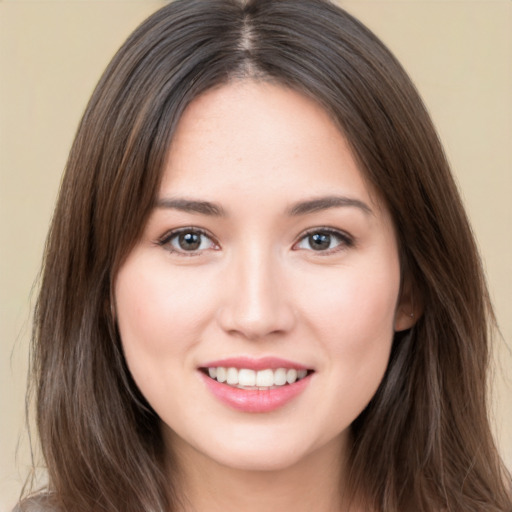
(258, 400)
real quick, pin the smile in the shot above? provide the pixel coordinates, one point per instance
(255, 385)
(249, 379)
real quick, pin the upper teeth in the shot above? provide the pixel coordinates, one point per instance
(244, 377)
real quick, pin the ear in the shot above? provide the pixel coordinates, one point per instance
(109, 308)
(409, 308)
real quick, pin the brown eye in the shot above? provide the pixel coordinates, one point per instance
(187, 241)
(319, 241)
(324, 241)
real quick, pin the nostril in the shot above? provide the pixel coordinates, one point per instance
(255, 323)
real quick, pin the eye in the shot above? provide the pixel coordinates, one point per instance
(187, 241)
(324, 240)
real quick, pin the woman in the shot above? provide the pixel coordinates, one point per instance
(260, 287)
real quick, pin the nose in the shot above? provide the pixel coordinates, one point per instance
(256, 302)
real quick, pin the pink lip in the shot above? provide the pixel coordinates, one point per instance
(255, 400)
(255, 364)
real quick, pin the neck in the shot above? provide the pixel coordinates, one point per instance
(314, 483)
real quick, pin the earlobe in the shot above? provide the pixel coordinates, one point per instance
(404, 319)
(110, 308)
(409, 308)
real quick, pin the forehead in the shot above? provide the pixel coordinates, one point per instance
(253, 136)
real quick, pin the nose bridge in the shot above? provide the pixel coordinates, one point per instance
(256, 303)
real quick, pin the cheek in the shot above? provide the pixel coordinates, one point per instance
(353, 319)
(353, 303)
(159, 314)
(158, 311)
(151, 328)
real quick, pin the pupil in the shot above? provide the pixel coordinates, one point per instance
(320, 241)
(189, 241)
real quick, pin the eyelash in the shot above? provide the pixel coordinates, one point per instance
(345, 240)
(166, 240)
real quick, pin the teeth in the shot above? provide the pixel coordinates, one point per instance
(245, 378)
(280, 377)
(232, 376)
(291, 376)
(301, 374)
(221, 374)
(265, 378)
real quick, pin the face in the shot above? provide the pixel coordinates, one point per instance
(257, 310)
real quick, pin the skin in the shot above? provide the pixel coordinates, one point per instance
(256, 287)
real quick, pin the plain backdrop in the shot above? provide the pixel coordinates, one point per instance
(458, 52)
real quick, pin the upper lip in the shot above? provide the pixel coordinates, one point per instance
(261, 363)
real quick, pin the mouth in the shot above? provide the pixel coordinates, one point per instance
(256, 385)
(249, 379)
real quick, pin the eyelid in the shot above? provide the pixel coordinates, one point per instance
(165, 239)
(346, 240)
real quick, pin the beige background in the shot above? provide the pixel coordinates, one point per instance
(459, 53)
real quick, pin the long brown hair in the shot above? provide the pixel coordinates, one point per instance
(423, 443)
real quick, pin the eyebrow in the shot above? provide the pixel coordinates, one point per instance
(192, 206)
(296, 209)
(325, 203)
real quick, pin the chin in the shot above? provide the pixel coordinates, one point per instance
(243, 449)
(259, 459)
(266, 450)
